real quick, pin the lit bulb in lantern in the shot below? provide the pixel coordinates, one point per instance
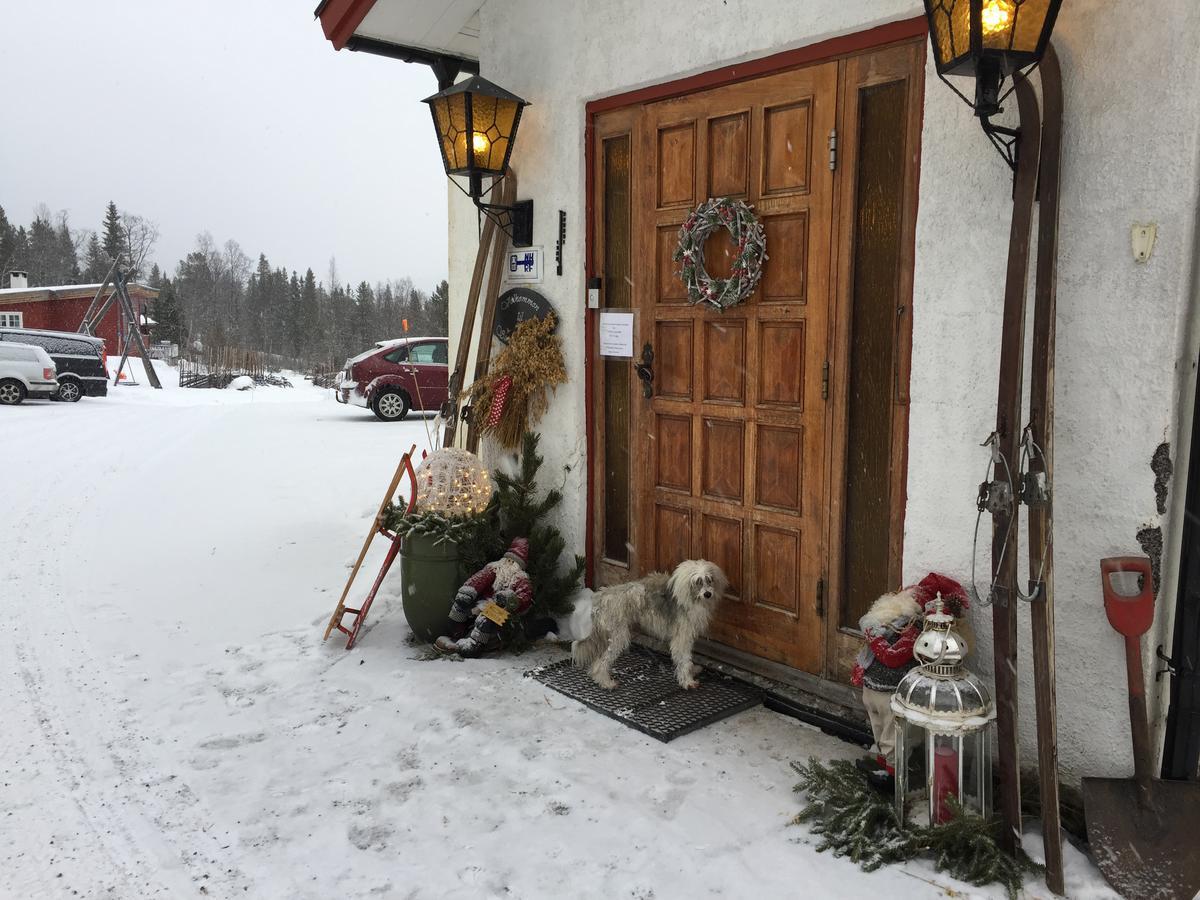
(452, 482)
(996, 17)
(480, 142)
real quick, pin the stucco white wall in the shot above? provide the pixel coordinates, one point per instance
(1130, 156)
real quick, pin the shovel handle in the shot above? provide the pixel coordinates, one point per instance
(1128, 614)
(1139, 723)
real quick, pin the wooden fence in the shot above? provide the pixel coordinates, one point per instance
(216, 367)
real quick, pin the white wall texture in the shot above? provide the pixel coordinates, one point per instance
(1125, 348)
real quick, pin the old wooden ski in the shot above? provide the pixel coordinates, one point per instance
(999, 497)
(487, 245)
(483, 354)
(1037, 487)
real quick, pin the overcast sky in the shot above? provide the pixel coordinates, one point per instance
(234, 117)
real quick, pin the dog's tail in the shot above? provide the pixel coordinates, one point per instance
(584, 652)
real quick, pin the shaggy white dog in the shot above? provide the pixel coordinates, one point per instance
(675, 608)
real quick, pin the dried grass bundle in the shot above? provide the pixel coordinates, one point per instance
(533, 361)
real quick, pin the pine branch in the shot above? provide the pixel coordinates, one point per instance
(852, 819)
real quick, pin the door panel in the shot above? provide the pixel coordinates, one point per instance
(738, 421)
(614, 455)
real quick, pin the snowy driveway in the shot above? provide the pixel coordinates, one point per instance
(173, 725)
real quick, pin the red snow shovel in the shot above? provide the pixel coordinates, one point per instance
(1143, 831)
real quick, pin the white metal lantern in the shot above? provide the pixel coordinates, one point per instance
(453, 482)
(943, 718)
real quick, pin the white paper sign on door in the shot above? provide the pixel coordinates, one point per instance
(616, 334)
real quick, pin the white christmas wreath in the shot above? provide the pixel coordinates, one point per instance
(738, 218)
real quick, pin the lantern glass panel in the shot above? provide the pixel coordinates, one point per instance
(910, 768)
(983, 773)
(1028, 24)
(450, 118)
(1013, 24)
(492, 121)
(940, 767)
(951, 20)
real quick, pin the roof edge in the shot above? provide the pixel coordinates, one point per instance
(340, 18)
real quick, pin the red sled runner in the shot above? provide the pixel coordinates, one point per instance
(360, 614)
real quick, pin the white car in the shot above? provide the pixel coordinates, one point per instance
(25, 371)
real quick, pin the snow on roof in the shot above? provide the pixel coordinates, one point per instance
(63, 334)
(64, 288)
(393, 342)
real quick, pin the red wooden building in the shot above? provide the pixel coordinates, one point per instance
(62, 308)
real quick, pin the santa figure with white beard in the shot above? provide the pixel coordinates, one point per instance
(498, 590)
(890, 628)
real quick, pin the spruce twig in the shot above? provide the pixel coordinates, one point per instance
(852, 819)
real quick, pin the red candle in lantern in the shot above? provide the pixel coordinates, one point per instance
(945, 781)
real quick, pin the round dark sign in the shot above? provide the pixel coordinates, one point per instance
(516, 305)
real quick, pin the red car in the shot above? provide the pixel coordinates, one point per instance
(396, 376)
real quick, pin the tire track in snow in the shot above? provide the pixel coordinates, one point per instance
(132, 830)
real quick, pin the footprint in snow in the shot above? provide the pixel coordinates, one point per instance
(237, 698)
(232, 742)
(369, 837)
(357, 807)
(402, 790)
(683, 779)
(667, 803)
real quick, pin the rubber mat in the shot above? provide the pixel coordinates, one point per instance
(648, 698)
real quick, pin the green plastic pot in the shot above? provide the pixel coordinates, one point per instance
(429, 573)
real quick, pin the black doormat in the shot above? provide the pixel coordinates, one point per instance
(648, 698)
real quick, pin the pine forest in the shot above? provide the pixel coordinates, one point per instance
(218, 296)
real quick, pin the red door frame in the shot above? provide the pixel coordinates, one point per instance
(845, 45)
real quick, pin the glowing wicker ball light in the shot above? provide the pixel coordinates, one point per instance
(453, 482)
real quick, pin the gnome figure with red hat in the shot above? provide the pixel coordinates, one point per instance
(498, 590)
(891, 627)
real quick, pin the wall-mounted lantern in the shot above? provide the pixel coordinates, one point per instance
(476, 124)
(990, 40)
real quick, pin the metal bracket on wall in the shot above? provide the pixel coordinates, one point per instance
(1173, 668)
(562, 236)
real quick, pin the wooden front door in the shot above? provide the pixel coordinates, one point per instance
(738, 455)
(734, 432)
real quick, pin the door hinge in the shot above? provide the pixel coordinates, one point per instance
(825, 381)
(832, 149)
(821, 596)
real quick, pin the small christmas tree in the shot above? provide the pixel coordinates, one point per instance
(518, 509)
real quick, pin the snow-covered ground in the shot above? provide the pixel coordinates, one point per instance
(173, 725)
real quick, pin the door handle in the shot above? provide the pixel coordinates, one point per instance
(645, 371)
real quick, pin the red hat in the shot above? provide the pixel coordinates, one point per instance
(933, 584)
(518, 550)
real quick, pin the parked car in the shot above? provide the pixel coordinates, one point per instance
(79, 358)
(25, 371)
(396, 376)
